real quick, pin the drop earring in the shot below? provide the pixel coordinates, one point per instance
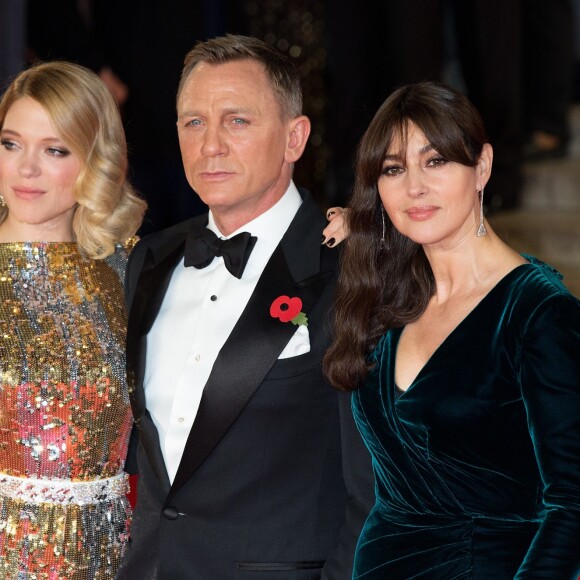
(382, 210)
(481, 230)
(383, 220)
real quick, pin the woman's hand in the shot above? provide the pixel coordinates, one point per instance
(337, 230)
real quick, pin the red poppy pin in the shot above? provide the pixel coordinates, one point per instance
(288, 309)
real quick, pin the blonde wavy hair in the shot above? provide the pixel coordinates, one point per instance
(86, 117)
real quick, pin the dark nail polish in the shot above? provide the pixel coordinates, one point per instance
(323, 239)
(330, 213)
(331, 242)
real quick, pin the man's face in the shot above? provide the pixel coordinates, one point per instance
(234, 142)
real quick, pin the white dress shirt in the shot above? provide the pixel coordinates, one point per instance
(198, 313)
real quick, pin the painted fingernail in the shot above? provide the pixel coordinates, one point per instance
(329, 213)
(323, 239)
(331, 242)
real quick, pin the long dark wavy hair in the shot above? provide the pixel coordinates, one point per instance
(385, 279)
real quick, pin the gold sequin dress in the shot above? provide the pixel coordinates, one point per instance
(65, 417)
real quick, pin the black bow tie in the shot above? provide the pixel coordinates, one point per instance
(202, 246)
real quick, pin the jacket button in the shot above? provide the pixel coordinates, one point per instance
(171, 513)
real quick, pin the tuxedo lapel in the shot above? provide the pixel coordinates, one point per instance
(151, 287)
(161, 256)
(257, 339)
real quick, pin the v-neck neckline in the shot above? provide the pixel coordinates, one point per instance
(396, 336)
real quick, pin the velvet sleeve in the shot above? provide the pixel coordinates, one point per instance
(550, 385)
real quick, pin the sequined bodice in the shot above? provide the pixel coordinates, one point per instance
(64, 411)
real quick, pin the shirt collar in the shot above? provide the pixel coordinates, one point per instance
(270, 226)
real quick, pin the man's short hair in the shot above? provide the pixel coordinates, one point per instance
(280, 70)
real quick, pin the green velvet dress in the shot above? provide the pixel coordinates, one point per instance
(477, 464)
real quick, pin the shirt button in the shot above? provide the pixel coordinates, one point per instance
(181, 419)
(213, 298)
(197, 357)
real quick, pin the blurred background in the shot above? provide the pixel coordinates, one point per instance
(518, 60)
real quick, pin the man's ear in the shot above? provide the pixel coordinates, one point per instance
(298, 133)
(484, 166)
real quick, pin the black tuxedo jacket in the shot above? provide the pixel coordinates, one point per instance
(274, 482)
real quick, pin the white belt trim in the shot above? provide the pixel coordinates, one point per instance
(64, 491)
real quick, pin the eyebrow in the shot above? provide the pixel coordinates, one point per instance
(422, 151)
(11, 132)
(225, 112)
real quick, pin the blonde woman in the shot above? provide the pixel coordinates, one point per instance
(65, 419)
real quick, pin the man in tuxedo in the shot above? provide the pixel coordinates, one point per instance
(250, 465)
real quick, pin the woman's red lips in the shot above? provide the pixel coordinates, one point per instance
(21, 189)
(421, 213)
